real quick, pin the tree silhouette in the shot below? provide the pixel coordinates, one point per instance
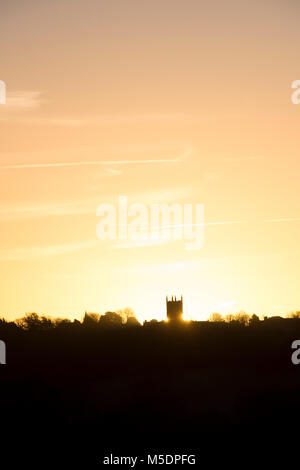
(216, 317)
(110, 319)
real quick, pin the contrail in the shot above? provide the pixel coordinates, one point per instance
(84, 163)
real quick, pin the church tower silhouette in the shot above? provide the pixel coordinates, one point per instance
(174, 309)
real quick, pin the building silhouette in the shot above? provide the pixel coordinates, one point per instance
(174, 309)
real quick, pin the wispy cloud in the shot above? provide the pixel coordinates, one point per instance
(158, 267)
(22, 100)
(160, 234)
(88, 163)
(100, 120)
(111, 157)
(111, 172)
(140, 243)
(36, 252)
(242, 159)
(179, 156)
(162, 237)
(31, 210)
(283, 219)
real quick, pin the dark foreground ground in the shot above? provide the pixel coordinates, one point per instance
(228, 393)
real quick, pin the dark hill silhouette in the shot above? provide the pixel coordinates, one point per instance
(88, 388)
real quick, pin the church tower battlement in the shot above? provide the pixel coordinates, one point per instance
(174, 309)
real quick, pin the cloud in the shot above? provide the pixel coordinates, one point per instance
(179, 157)
(34, 209)
(286, 219)
(100, 120)
(32, 99)
(243, 159)
(24, 211)
(88, 163)
(161, 195)
(140, 243)
(36, 252)
(160, 238)
(155, 268)
(22, 100)
(111, 157)
(111, 172)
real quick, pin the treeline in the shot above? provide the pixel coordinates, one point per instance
(242, 318)
(35, 322)
(245, 319)
(122, 318)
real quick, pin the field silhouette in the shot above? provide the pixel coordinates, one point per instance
(85, 388)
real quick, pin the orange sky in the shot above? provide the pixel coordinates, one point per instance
(206, 85)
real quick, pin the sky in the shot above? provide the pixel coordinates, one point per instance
(169, 101)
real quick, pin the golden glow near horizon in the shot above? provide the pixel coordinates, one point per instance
(186, 317)
(165, 103)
